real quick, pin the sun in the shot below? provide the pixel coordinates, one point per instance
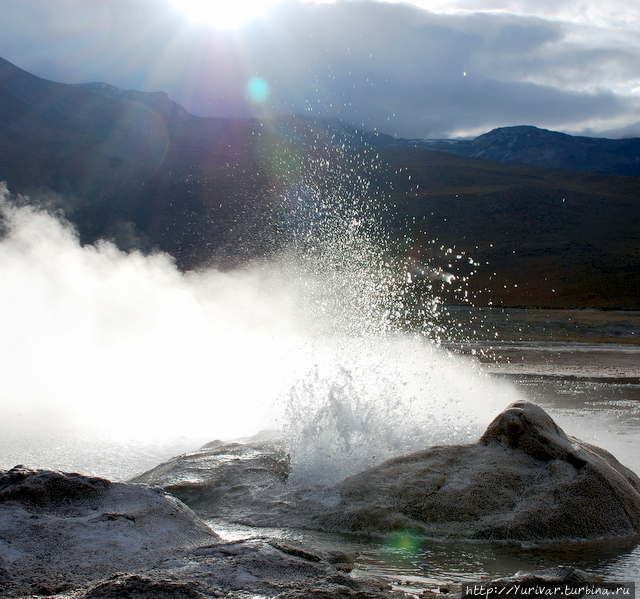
(224, 14)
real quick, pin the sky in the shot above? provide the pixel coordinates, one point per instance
(427, 69)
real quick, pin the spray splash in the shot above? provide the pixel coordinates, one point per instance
(104, 344)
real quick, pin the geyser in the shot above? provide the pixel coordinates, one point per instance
(108, 347)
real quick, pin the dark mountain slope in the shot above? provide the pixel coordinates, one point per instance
(540, 237)
(137, 168)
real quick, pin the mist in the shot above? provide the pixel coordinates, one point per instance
(106, 353)
(96, 337)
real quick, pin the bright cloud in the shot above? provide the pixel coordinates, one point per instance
(432, 68)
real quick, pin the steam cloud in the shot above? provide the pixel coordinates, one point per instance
(100, 343)
(126, 341)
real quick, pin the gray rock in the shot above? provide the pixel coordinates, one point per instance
(525, 480)
(58, 530)
(242, 482)
(251, 567)
(136, 586)
(76, 536)
(225, 479)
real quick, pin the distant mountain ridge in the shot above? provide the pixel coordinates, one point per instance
(522, 144)
(136, 168)
(158, 101)
(542, 148)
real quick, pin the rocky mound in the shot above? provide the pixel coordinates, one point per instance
(256, 566)
(224, 479)
(76, 536)
(525, 480)
(58, 530)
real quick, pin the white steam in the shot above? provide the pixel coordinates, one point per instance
(98, 342)
(95, 337)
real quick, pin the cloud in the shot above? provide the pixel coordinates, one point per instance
(390, 66)
(622, 15)
(417, 74)
(626, 131)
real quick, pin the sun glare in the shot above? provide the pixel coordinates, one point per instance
(224, 14)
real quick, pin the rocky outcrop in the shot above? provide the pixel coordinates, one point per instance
(525, 480)
(58, 530)
(224, 479)
(86, 537)
(262, 567)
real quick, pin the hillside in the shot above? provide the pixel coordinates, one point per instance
(540, 237)
(136, 168)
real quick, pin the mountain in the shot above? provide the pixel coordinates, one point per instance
(541, 148)
(137, 168)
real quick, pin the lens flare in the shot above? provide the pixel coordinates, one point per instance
(402, 544)
(257, 90)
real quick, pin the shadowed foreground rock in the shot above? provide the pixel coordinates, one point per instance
(525, 480)
(59, 529)
(68, 535)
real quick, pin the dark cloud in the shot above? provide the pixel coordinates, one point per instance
(394, 67)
